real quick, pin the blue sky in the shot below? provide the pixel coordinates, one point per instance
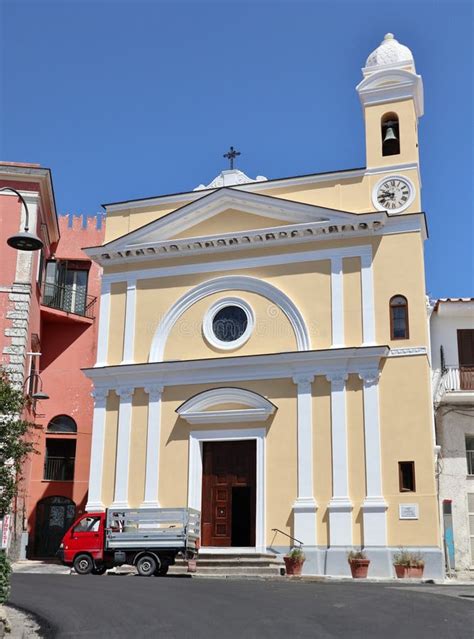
(128, 99)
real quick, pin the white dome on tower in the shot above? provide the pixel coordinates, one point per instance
(390, 51)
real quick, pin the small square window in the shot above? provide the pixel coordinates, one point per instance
(406, 476)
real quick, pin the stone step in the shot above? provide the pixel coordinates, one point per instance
(239, 556)
(230, 571)
(202, 561)
(224, 564)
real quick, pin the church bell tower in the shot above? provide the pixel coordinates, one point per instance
(391, 95)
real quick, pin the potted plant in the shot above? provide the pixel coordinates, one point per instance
(294, 561)
(359, 564)
(408, 564)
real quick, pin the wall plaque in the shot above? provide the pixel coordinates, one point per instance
(408, 511)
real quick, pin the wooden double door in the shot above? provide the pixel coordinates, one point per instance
(228, 493)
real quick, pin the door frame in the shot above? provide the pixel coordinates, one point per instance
(196, 439)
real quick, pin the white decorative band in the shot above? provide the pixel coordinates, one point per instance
(405, 352)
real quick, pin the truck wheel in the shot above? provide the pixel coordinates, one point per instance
(83, 564)
(146, 566)
(162, 570)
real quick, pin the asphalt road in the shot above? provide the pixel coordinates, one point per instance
(135, 607)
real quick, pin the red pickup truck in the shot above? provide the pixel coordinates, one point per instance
(147, 538)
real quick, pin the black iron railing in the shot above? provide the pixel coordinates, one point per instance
(69, 299)
(289, 536)
(59, 468)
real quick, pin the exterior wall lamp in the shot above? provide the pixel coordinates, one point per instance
(24, 240)
(38, 392)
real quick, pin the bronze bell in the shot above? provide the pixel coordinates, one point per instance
(389, 134)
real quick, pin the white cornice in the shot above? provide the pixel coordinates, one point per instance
(258, 261)
(240, 240)
(392, 85)
(231, 369)
(408, 351)
(378, 223)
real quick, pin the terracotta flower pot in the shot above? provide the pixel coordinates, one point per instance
(293, 566)
(192, 565)
(359, 568)
(408, 572)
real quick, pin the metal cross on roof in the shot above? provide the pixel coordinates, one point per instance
(231, 155)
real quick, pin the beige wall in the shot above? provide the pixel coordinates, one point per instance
(405, 418)
(404, 437)
(308, 284)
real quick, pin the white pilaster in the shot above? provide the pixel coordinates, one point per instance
(337, 303)
(123, 448)
(368, 303)
(374, 507)
(129, 331)
(103, 330)
(340, 506)
(304, 508)
(25, 259)
(152, 469)
(94, 498)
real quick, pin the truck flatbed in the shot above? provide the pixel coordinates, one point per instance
(176, 528)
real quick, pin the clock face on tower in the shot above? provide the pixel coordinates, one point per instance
(393, 194)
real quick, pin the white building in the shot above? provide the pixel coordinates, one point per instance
(452, 346)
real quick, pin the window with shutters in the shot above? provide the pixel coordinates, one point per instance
(466, 358)
(470, 454)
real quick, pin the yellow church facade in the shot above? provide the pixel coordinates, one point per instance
(263, 352)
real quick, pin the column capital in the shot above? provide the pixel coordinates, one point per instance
(99, 394)
(154, 392)
(304, 379)
(131, 283)
(370, 376)
(337, 380)
(125, 393)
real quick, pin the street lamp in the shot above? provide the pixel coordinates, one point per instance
(24, 240)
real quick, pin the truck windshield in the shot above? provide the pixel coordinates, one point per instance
(88, 524)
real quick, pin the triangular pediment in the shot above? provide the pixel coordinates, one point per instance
(228, 211)
(230, 221)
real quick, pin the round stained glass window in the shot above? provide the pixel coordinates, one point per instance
(228, 323)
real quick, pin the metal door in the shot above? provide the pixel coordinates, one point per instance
(54, 515)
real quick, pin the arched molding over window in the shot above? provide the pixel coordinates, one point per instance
(399, 327)
(390, 132)
(199, 409)
(62, 424)
(229, 283)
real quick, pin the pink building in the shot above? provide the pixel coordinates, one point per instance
(48, 312)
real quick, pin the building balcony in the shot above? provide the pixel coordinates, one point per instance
(68, 300)
(456, 385)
